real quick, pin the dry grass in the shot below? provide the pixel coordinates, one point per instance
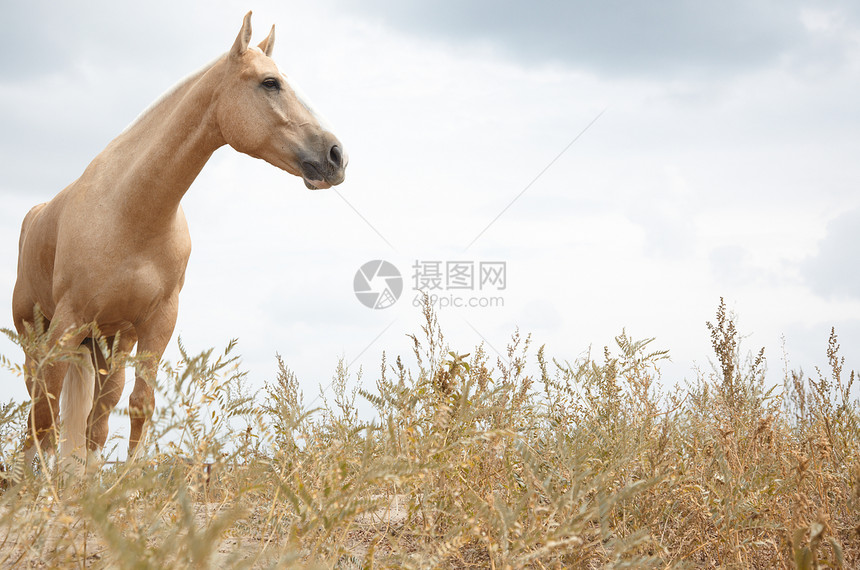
(581, 464)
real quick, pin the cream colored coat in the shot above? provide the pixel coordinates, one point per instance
(112, 247)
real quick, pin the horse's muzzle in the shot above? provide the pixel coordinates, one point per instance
(319, 175)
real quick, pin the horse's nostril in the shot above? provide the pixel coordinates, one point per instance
(335, 156)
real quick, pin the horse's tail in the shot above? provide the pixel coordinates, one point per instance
(76, 402)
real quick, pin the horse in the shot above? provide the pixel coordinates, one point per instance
(108, 253)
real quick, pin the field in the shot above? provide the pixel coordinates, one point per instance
(526, 462)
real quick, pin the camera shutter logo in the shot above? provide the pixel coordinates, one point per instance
(377, 284)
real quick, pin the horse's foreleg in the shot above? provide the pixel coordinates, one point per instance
(153, 337)
(35, 389)
(110, 381)
(45, 384)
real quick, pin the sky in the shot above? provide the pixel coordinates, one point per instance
(625, 164)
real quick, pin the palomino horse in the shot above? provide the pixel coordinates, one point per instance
(112, 247)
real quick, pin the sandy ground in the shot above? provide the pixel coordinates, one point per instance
(233, 550)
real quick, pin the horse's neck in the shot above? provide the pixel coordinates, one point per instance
(164, 150)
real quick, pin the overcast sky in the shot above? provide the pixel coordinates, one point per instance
(723, 161)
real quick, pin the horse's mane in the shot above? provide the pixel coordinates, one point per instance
(172, 93)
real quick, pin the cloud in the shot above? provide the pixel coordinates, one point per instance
(682, 189)
(79, 74)
(614, 37)
(730, 265)
(834, 271)
(43, 37)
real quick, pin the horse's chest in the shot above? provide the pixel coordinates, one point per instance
(152, 275)
(135, 293)
(125, 282)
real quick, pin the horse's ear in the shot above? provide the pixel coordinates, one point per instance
(267, 44)
(243, 39)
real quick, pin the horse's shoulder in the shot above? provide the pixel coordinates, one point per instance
(28, 220)
(34, 211)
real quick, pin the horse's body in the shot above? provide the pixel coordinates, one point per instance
(112, 247)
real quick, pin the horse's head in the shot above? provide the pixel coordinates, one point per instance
(262, 115)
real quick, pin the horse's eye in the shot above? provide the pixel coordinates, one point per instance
(272, 84)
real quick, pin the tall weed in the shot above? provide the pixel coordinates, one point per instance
(525, 462)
